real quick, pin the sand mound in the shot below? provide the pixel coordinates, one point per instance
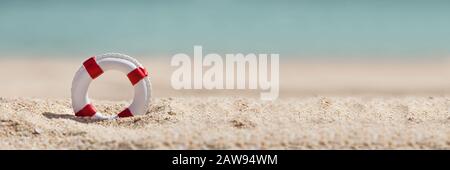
(232, 123)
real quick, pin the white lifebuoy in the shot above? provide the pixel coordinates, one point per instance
(94, 67)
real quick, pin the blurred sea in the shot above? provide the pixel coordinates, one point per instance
(323, 28)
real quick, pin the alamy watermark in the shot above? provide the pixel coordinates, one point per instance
(229, 74)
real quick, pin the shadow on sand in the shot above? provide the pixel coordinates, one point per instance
(50, 115)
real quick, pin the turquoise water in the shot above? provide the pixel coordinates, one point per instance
(323, 28)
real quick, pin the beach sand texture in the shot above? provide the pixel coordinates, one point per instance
(322, 105)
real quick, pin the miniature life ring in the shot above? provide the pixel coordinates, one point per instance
(97, 65)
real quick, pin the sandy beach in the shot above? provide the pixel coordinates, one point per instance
(322, 105)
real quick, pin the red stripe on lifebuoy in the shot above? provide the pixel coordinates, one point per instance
(92, 67)
(125, 113)
(137, 75)
(88, 110)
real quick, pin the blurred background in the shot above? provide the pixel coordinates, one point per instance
(326, 47)
(305, 28)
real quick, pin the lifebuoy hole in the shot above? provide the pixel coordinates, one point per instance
(112, 85)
